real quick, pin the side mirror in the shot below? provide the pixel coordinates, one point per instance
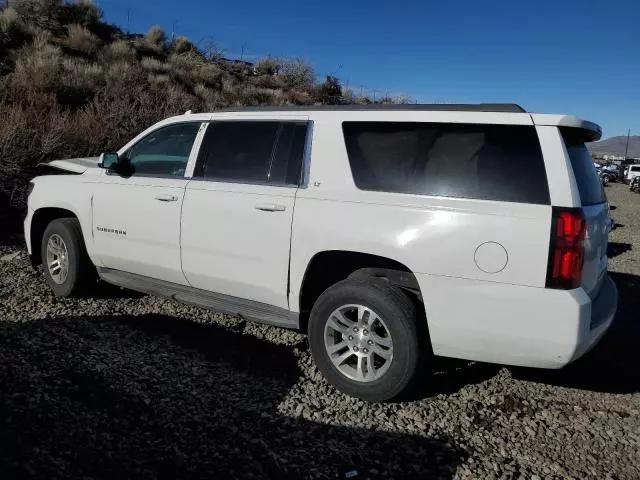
(108, 161)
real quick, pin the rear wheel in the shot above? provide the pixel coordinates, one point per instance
(363, 338)
(67, 267)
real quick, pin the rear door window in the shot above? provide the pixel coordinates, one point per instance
(253, 152)
(490, 162)
(587, 179)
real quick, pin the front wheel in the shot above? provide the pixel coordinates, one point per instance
(67, 267)
(363, 338)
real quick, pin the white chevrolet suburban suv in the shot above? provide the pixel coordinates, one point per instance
(387, 233)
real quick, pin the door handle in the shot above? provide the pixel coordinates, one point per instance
(270, 207)
(163, 197)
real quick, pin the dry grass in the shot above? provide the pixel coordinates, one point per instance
(72, 86)
(82, 40)
(36, 68)
(154, 65)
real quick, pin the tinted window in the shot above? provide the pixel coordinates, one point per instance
(493, 162)
(287, 162)
(589, 183)
(164, 152)
(253, 151)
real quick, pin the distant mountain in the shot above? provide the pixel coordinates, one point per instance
(616, 145)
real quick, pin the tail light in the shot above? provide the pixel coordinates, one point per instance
(566, 252)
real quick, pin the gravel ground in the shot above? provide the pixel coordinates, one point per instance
(131, 386)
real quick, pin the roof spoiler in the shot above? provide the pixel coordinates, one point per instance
(590, 131)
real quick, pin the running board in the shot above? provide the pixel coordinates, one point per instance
(248, 309)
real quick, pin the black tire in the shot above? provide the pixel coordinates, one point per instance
(81, 271)
(399, 314)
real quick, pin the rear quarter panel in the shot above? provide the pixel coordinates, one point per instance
(435, 236)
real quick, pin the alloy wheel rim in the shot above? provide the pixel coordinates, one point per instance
(57, 259)
(358, 343)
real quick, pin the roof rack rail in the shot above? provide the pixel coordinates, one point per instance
(445, 107)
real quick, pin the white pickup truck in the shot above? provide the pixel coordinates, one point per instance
(388, 233)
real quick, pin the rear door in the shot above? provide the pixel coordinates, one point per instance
(595, 209)
(238, 208)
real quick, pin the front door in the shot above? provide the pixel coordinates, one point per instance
(136, 213)
(238, 209)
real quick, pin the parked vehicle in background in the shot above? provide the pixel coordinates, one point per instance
(604, 178)
(632, 172)
(387, 233)
(635, 184)
(615, 172)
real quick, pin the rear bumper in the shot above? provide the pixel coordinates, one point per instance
(603, 310)
(513, 324)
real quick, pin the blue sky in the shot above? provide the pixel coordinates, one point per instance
(551, 56)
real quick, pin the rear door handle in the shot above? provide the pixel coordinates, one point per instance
(270, 207)
(163, 197)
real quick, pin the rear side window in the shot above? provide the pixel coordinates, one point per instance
(253, 152)
(587, 179)
(490, 162)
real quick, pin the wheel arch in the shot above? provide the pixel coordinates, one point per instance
(328, 267)
(41, 218)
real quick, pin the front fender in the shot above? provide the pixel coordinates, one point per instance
(60, 194)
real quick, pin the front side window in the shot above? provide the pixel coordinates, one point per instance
(164, 152)
(268, 152)
(490, 162)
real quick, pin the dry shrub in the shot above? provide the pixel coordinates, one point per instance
(159, 80)
(83, 12)
(185, 61)
(82, 40)
(81, 73)
(28, 135)
(119, 50)
(124, 73)
(254, 96)
(153, 44)
(40, 13)
(156, 36)
(57, 105)
(297, 74)
(296, 97)
(154, 65)
(209, 74)
(37, 67)
(267, 66)
(181, 45)
(10, 22)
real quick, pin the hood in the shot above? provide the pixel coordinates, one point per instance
(73, 165)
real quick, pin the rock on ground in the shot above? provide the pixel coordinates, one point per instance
(130, 386)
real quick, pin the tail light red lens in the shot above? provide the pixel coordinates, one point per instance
(566, 252)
